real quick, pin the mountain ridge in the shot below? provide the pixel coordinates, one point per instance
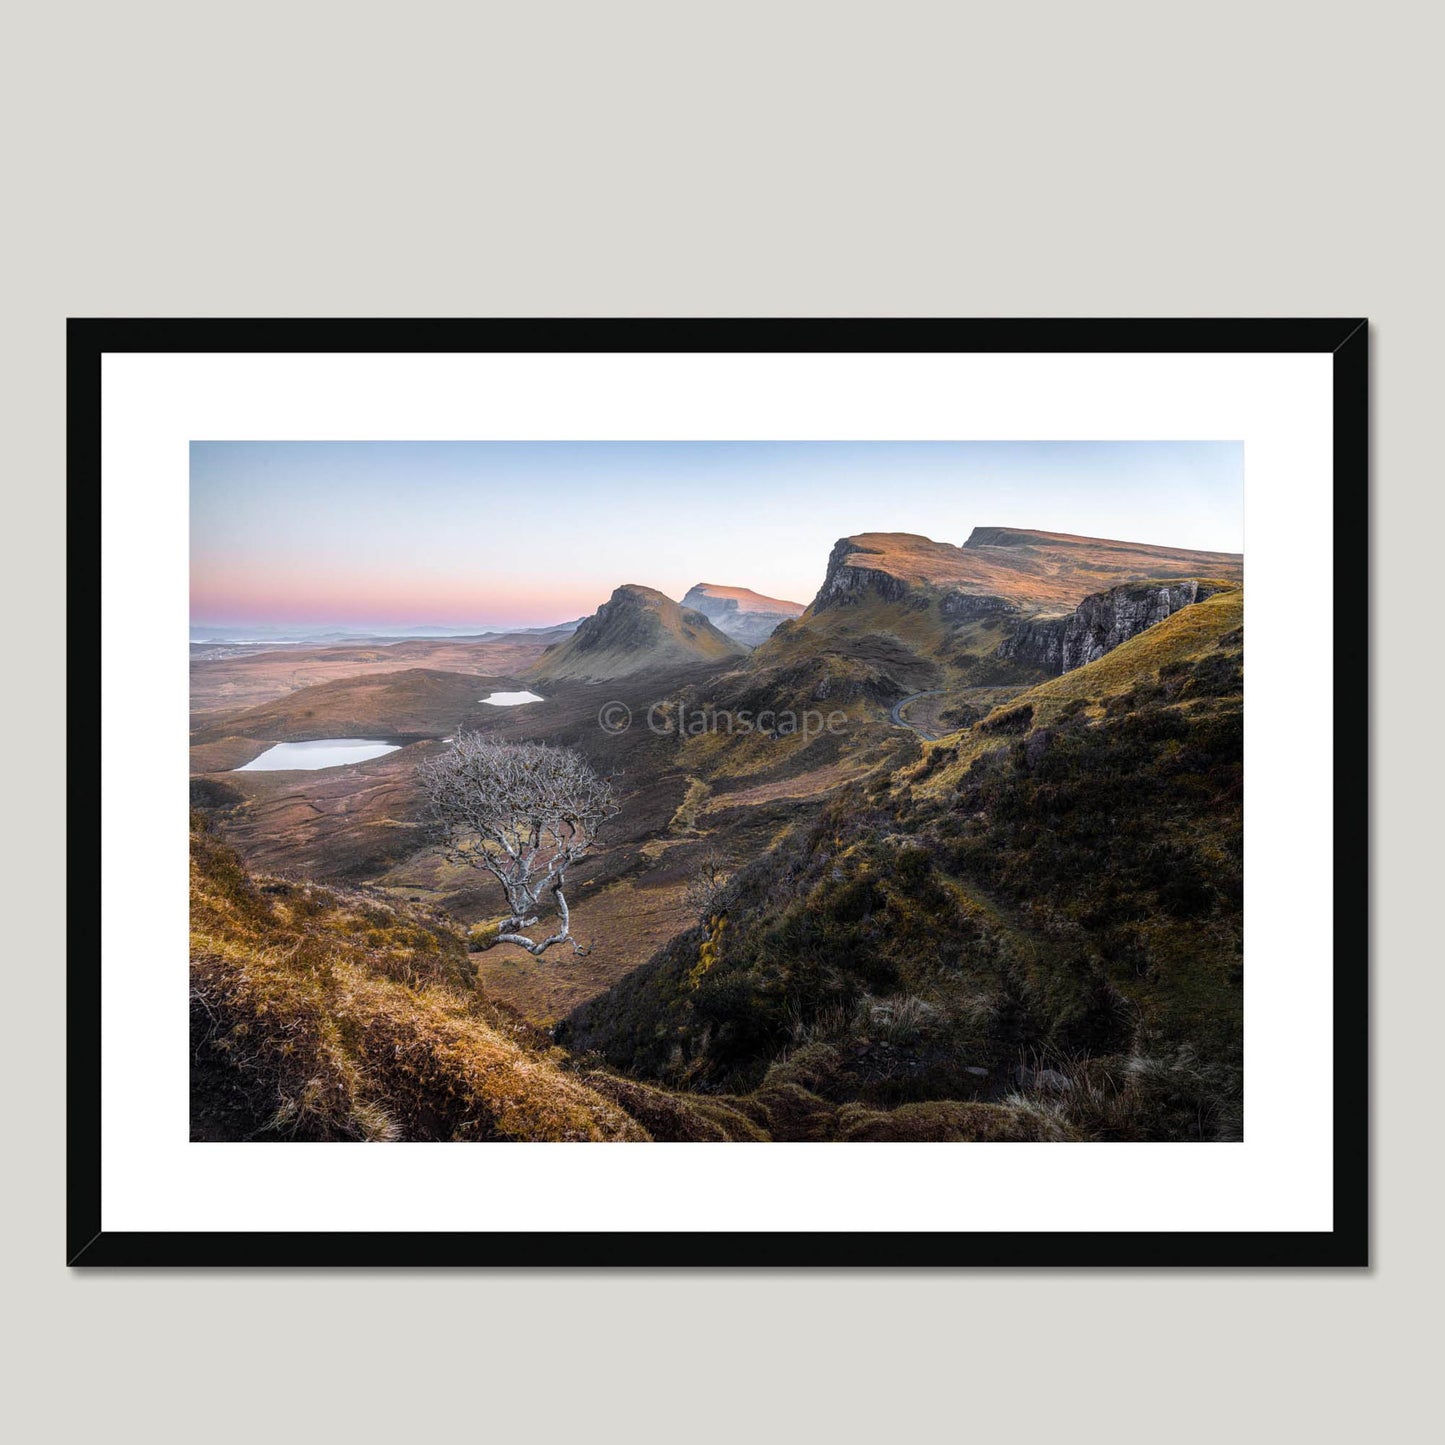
(1020, 570)
(638, 628)
(745, 615)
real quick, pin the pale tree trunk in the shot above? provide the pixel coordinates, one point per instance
(562, 935)
(523, 812)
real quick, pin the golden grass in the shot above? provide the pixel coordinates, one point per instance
(678, 1118)
(867, 612)
(1187, 635)
(800, 785)
(356, 1020)
(741, 755)
(684, 820)
(1184, 636)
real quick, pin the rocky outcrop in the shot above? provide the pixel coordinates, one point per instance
(968, 606)
(746, 616)
(1100, 623)
(1038, 643)
(845, 582)
(1002, 566)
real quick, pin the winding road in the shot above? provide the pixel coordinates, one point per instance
(895, 714)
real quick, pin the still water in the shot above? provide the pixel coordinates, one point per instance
(323, 753)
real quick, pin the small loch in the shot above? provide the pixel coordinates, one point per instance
(323, 753)
(511, 699)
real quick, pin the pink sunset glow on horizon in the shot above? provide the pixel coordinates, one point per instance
(530, 534)
(452, 602)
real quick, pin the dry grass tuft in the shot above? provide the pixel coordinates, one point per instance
(346, 1019)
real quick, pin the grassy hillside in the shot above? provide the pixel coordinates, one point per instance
(636, 630)
(1043, 913)
(883, 646)
(325, 1014)
(409, 703)
(1187, 637)
(899, 613)
(321, 1014)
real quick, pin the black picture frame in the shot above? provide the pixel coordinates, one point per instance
(1347, 1244)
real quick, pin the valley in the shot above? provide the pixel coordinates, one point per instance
(996, 898)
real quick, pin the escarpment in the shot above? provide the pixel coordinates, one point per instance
(744, 615)
(846, 580)
(1101, 622)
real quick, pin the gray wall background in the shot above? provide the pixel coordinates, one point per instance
(739, 159)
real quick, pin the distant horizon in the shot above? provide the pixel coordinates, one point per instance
(378, 628)
(356, 537)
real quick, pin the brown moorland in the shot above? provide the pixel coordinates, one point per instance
(228, 679)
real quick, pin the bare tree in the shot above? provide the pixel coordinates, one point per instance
(523, 812)
(706, 883)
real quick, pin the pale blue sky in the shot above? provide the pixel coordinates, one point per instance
(526, 533)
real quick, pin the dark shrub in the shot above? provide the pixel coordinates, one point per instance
(854, 901)
(1010, 721)
(212, 795)
(913, 865)
(1216, 676)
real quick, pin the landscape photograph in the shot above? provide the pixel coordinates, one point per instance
(716, 791)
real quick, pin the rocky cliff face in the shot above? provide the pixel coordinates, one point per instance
(899, 576)
(1100, 623)
(999, 568)
(966, 606)
(845, 581)
(918, 615)
(746, 616)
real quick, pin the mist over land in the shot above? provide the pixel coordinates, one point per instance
(298, 634)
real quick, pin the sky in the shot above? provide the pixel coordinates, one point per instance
(521, 534)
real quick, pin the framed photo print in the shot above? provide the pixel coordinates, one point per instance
(822, 741)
